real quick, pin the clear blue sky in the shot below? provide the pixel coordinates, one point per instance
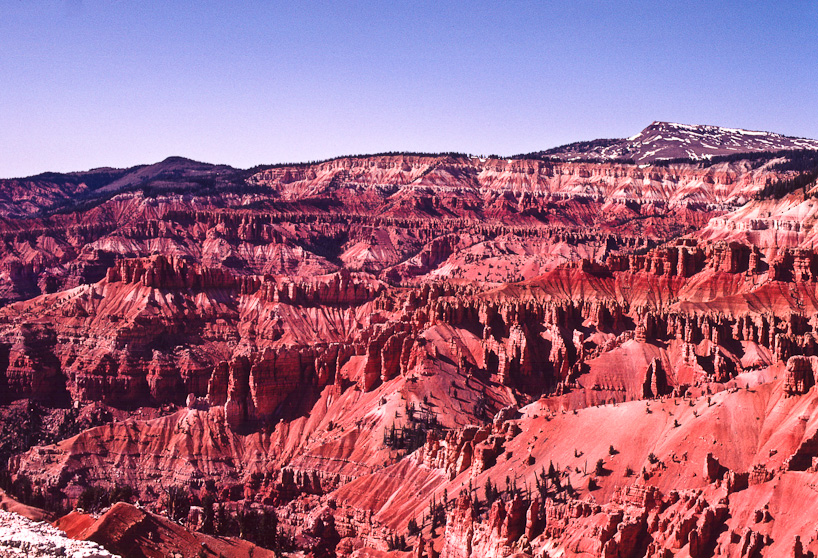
(120, 82)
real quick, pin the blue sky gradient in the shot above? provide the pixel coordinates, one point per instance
(118, 83)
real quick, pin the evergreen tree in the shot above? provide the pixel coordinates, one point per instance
(209, 516)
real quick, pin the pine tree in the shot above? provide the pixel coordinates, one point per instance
(209, 517)
(490, 493)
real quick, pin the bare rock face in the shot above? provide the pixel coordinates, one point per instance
(800, 375)
(713, 470)
(33, 371)
(459, 530)
(125, 527)
(534, 522)
(655, 384)
(169, 273)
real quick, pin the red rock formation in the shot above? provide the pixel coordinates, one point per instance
(800, 375)
(355, 341)
(130, 531)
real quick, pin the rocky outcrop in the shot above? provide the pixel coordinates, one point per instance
(169, 273)
(713, 470)
(628, 539)
(800, 375)
(655, 384)
(33, 371)
(127, 529)
(499, 535)
(458, 539)
(253, 387)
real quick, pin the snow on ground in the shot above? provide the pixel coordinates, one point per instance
(20, 536)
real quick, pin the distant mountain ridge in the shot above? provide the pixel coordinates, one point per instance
(657, 142)
(669, 140)
(660, 143)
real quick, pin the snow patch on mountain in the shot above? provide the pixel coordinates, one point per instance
(20, 537)
(671, 140)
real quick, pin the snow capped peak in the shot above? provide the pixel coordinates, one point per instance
(673, 140)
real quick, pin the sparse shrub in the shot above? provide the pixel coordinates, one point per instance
(96, 498)
(491, 492)
(411, 436)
